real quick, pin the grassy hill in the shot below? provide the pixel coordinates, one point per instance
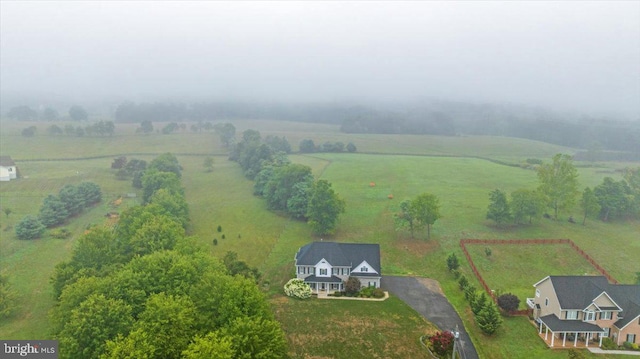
(459, 170)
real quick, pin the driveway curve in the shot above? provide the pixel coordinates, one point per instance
(425, 296)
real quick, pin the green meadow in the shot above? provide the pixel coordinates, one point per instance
(461, 171)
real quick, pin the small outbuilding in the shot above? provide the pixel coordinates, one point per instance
(8, 169)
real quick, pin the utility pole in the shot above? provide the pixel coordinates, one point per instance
(456, 335)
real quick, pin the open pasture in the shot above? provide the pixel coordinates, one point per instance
(269, 240)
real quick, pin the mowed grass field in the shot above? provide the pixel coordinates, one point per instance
(224, 198)
(533, 262)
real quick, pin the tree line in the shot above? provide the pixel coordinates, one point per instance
(56, 209)
(100, 128)
(287, 188)
(558, 191)
(436, 117)
(144, 289)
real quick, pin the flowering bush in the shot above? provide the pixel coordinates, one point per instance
(296, 287)
(442, 342)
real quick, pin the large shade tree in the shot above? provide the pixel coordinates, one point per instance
(325, 206)
(559, 182)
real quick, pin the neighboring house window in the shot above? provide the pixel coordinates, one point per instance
(605, 315)
(546, 302)
(364, 269)
(590, 316)
(631, 338)
(572, 314)
(323, 271)
(537, 293)
(606, 333)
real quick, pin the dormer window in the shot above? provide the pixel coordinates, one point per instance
(606, 315)
(323, 271)
(364, 269)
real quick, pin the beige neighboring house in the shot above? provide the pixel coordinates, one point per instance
(326, 266)
(8, 170)
(586, 309)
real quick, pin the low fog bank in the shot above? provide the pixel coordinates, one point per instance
(428, 116)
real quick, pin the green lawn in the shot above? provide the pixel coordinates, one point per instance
(323, 328)
(268, 240)
(532, 262)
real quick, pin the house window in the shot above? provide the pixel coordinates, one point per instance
(537, 293)
(590, 316)
(323, 271)
(605, 315)
(631, 338)
(606, 332)
(364, 269)
(572, 314)
(546, 302)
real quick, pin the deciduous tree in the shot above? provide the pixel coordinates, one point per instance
(498, 210)
(559, 182)
(425, 209)
(325, 206)
(589, 204)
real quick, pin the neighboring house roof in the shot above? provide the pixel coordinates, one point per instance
(340, 254)
(558, 325)
(628, 297)
(6, 161)
(579, 292)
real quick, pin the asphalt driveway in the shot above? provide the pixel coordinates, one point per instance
(425, 296)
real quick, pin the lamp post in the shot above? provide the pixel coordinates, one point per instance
(456, 335)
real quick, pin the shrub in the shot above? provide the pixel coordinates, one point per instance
(488, 319)
(378, 293)
(470, 293)
(60, 233)
(297, 288)
(463, 282)
(215, 241)
(452, 262)
(366, 292)
(442, 342)
(352, 286)
(337, 294)
(608, 344)
(508, 302)
(29, 227)
(627, 345)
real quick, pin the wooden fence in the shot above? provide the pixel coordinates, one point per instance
(476, 272)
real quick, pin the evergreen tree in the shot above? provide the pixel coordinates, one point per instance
(489, 319)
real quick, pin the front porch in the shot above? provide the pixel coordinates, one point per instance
(558, 333)
(325, 285)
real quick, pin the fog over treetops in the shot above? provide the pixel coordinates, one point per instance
(568, 56)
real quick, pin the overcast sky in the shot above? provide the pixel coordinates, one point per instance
(573, 55)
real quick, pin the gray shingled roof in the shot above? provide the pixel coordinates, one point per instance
(570, 326)
(332, 279)
(340, 254)
(6, 161)
(578, 292)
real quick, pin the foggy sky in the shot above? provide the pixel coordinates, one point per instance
(575, 55)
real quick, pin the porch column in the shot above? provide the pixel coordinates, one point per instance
(587, 340)
(575, 341)
(564, 338)
(553, 336)
(540, 332)
(546, 333)
(600, 344)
